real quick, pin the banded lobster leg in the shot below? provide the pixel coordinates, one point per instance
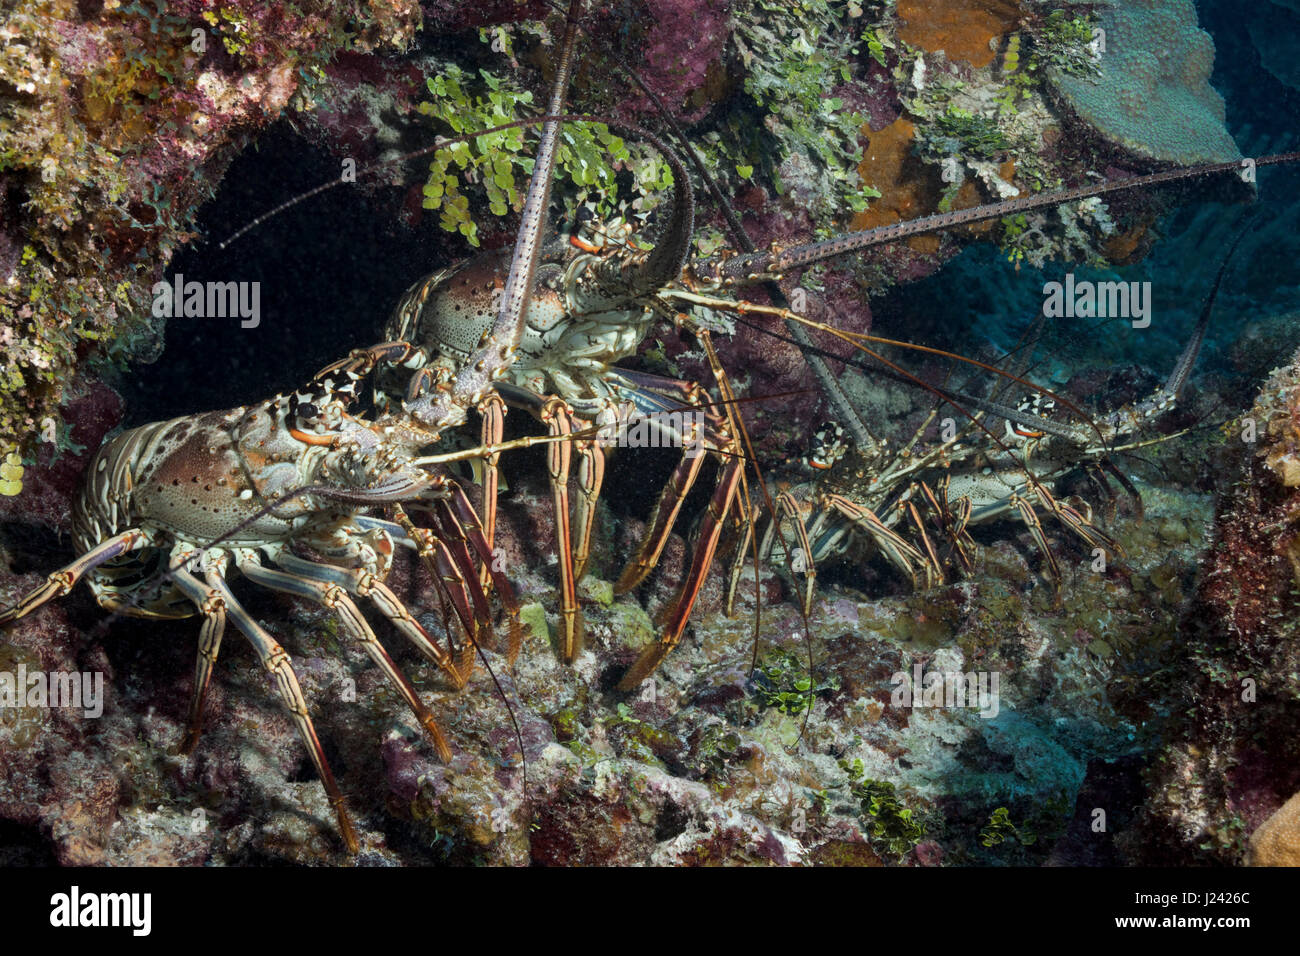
(279, 665)
(60, 582)
(670, 412)
(836, 519)
(1071, 518)
(458, 523)
(213, 609)
(461, 536)
(827, 529)
(953, 519)
(458, 513)
(335, 598)
(799, 560)
(327, 585)
(467, 599)
(560, 423)
(363, 584)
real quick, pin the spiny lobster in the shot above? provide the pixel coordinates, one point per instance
(877, 496)
(165, 510)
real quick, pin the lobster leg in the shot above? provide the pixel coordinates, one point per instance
(933, 562)
(591, 477)
(210, 604)
(901, 554)
(365, 585)
(62, 581)
(362, 361)
(461, 513)
(451, 537)
(789, 506)
(1077, 522)
(1127, 485)
(336, 599)
(1030, 517)
(710, 528)
(442, 569)
(746, 520)
(738, 562)
(451, 584)
(559, 421)
(661, 523)
(392, 608)
(954, 522)
(653, 395)
(278, 665)
(799, 559)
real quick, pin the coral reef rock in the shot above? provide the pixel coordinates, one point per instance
(1154, 95)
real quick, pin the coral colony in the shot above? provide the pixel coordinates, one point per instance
(1013, 494)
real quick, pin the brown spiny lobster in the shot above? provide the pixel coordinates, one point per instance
(167, 510)
(896, 499)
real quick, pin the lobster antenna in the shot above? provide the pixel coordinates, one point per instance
(776, 262)
(627, 129)
(1169, 391)
(528, 244)
(857, 339)
(1183, 369)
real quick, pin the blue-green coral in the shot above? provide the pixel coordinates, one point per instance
(1153, 93)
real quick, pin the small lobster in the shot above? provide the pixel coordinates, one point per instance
(877, 496)
(166, 511)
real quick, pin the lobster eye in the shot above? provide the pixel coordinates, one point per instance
(308, 410)
(828, 446)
